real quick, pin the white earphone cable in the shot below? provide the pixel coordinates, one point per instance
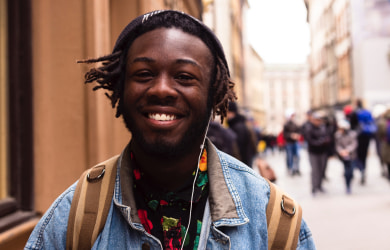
(193, 184)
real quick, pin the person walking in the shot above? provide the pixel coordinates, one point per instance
(245, 137)
(225, 139)
(345, 147)
(378, 114)
(331, 127)
(318, 141)
(291, 134)
(384, 137)
(306, 125)
(280, 142)
(366, 128)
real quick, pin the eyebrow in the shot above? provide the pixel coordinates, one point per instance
(178, 61)
(187, 61)
(143, 59)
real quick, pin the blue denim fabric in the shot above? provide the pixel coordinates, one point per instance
(248, 230)
(292, 155)
(348, 171)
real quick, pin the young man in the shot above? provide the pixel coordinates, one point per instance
(168, 77)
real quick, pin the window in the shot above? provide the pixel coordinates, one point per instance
(16, 158)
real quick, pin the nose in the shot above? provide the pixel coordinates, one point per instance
(163, 88)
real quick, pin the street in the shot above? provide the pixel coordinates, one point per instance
(337, 220)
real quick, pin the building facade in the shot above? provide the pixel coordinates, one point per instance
(254, 88)
(370, 35)
(227, 20)
(286, 87)
(350, 47)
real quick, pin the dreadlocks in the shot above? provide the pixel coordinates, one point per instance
(110, 75)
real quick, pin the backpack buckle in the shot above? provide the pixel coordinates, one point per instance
(290, 208)
(96, 173)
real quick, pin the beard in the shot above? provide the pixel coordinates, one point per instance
(162, 147)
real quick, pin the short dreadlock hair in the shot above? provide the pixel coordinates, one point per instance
(111, 74)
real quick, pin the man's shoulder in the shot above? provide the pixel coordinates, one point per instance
(239, 172)
(286, 125)
(232, 162)
(291, 125)
(53, 222)
(63, 201)
(306, 125)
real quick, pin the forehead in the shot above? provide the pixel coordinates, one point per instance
(178, 41)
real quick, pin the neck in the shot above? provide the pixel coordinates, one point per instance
(168, 173)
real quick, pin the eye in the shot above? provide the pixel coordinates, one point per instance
(142, 76)
(185, 78)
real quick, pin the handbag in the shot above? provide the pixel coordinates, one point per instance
(265, 170)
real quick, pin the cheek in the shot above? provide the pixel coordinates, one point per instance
(131, 91)
(200, 98)
(126, 94)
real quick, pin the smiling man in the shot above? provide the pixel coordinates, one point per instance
(173, 189)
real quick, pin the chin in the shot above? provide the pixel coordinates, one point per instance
(164, 149)
(160, 146)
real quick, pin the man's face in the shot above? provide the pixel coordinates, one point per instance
(166, 91)
(317, 121)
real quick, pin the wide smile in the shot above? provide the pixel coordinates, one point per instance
(162, 117)
(163, 120)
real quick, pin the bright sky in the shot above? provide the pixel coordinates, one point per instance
(278, 31)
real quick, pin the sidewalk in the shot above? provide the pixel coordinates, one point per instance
(337, 220)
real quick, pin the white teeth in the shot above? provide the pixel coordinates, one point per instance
(162, 117)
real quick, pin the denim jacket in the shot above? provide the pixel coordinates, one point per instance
(234, 217)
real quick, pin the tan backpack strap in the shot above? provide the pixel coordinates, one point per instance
(284, 216)
(91, 204)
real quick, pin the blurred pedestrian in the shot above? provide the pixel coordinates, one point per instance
(350, 116)
(378, 114)
(331, 127)
(318, 141)
(306, 125)
(366, 129)
(384, 135)
(270, 142)
(345, 146)
(245, 140)
(280, 141)
(225, 139)
(291, 134)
